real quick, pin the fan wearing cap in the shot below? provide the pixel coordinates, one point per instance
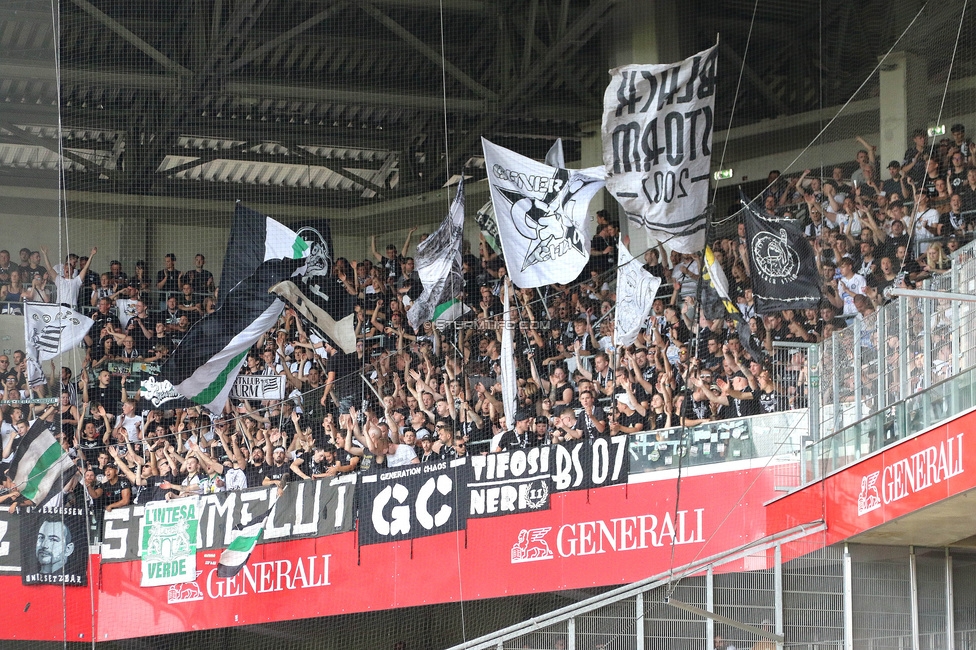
(542, 431)
(277, 468)
(115, 492)
(519, 436)
(425, 442)
(628, 419)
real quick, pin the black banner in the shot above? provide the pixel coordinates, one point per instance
(413, 501)
(782, 264)
(54, 547)
(589, 464)
(509, 482)
(307, 509)
(10, 523)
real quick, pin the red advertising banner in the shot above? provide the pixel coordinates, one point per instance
(604, 536)
(901, 479)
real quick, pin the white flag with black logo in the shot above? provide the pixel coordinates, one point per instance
(50, 330)
(438, 263)
(657, 146)
(636, 289)
(541, 216)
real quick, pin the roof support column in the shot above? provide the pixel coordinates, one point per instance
(902, 106)
(643, 32)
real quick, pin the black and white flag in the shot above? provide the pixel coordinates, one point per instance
(657, 146)
(317, 296)
(50, 330)
(782, 264)
(541, 216)
(636, 289)
(438, 263)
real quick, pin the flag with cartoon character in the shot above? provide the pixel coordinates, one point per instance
(541, 213)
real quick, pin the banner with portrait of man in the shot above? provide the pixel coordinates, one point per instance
(54, 547)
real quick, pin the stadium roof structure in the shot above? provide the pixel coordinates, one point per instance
(345, 105)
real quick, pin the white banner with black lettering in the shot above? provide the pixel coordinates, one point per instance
(636, 289)
(307, 509)
(258, 387)
(412, 501)
(509, 482)
(541, 215)
(657, 145)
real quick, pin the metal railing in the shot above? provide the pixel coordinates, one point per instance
(898, 421)
(895, 372)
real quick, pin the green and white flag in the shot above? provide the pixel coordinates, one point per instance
(438, 262)
(448, 312)
(235, 556)
(39, 463)
(169, 542)
(260, 254)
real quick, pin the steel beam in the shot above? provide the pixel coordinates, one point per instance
(24, 137)
(131, 38)
(585, 26)
(433, 55)
(752, 629)
(468, 6)
(287, 36)
(254, 91)
(754, 79)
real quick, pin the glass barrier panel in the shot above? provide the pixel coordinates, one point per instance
(759, 436)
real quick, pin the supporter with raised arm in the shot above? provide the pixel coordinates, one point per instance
(67, 283)
(392, 262)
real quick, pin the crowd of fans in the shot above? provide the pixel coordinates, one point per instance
(413, 396)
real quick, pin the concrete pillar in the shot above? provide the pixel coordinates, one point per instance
(591, 155)
(902, 103)
(643, 32)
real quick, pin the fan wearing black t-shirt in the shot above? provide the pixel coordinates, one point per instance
(518, 437)
(115, 492)
(592, 421)
(277, 468)
(739, 400)
(628, 420)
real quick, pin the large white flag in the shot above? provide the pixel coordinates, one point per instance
(636, 289)
(50, 330)
(508, 377)
(438, 263)
(657, 146)
(541, 216)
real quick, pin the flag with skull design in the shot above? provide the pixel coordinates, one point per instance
(542, 218)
